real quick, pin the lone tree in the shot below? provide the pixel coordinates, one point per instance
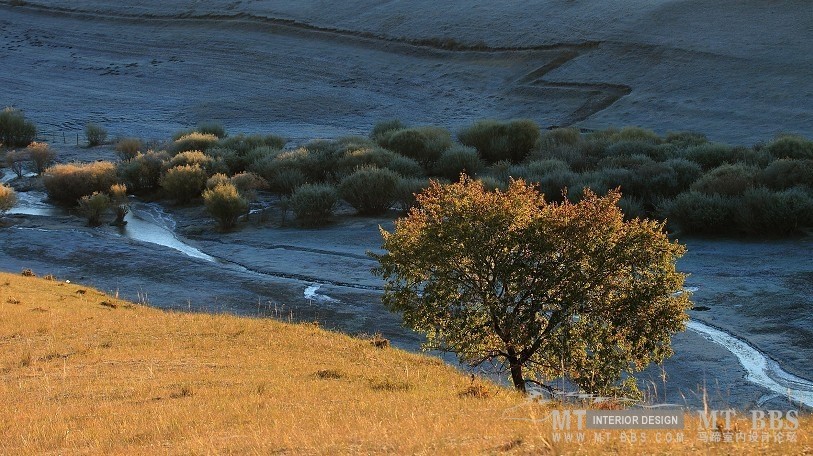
(548, 290)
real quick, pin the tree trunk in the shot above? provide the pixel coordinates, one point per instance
(516, 370)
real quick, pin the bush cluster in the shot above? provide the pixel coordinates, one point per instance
(8, 198)
(95, 134)
(41, 155)
(313, 204)
(142, 173)
(225, 204)
(497, 141)
(184, 183)
(67, 183)
(128, 148)
(15, 130)
(371, 191)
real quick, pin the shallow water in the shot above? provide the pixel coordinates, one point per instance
(149, 223)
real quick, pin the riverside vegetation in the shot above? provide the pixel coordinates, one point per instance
(85, 372)
(698, 186)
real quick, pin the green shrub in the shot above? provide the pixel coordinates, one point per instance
(684, 139)
(211, 128)
(225, 204)
(183, 183)
(456, 160)
(405, 166)
(728, 180)
(786, 173)
(632, 207)
(407, 190)
(120, 203)
(313, 204)
(95, 134)
(248, 184)
(67, 183)
(16, 159)
(191, 157)
(217, 179)
(794, 147)
(352, 159)
(242, 144)
(643, 148)
(370, 190)
(686, 172)
(8, 198)
(94, 206)
(767, 213)
(560, 137)
(632, 162)
(698, 213)
(128, 148)
(712, 155)
(285, 171)
(194, 141)
(424, 144)
(385, 128)
(42, 156)
(635, 134)
(543, 167)
(491, 183)
(15, 130)
(552, 184)
(497, 141)
(142, 173)
(233, 162)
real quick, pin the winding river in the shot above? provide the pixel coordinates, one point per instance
(147, 222)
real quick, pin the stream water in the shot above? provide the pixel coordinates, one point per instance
(147, 222)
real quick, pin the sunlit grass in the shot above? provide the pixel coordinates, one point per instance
(85, 372)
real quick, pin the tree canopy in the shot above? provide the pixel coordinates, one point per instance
(547, 290)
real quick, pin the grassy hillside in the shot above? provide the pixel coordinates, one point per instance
(85, 372)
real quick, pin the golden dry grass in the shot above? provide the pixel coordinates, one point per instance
(83, 372)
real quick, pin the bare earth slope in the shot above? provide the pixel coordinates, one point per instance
(735, 70)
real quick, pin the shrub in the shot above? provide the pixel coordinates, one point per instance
(497, 141)
(242, 144)
(120, 203)
(282, 172)
(712, 155)
(632, 162)
(456, 160)
(42, 156)
(225, 204)
(15, 160)
(730, 180)
(232, 162)
(194, 141)
(15, 130)
(352, 159)
(142, 174)
(8, 198)
(791, 147)
(543, 167)
(554, 183)
(211, 128)
(786, 173)
(424, 144)
(217, 179)
(95, 134)
(183, 183)
(698, 213)
(645, 148)
(767, 213)
(686, 172)
(191, 157)
(635, 134)
(94, 206)
(491, 183)
(405, 166)
(67, 183)
(385, 128)
(128, 148)
(248, 183)
(313, 204)
(560, 137)
(632, 207)
(684, 139)
(406, 191)
(370, 190)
